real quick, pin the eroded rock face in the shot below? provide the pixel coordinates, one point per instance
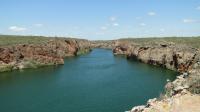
(30, 56)
(168, 56)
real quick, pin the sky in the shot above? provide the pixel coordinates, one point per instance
(100, 19)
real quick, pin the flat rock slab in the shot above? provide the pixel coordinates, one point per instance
(179, 103)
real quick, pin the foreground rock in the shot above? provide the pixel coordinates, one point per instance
(33, 56)
(178, 103)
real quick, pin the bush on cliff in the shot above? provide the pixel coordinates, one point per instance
(6, 67)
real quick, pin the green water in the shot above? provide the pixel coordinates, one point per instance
(96, 82)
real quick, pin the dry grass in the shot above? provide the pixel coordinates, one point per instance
(186, 41)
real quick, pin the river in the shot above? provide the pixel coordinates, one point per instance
(95, 82)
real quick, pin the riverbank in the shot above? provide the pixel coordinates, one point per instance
(183, 57)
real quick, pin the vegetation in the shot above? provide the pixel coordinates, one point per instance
(188, 41)
(16, 39)
(13, 40)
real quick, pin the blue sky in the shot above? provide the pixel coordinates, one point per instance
(100, 19)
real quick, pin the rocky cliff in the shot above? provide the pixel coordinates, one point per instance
(168, 55)
(181, 95)
(34, 55)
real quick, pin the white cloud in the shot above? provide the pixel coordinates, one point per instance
(38, 25)
(142, 24)
(113, 18)
(104, 28)
(198, 8)
(115, 24)
(17, 29)
(190, 21)
(151, 13)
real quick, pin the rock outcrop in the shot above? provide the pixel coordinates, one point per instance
(32, 56)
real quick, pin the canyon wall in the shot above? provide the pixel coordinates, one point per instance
(35, 55)
(167, 55)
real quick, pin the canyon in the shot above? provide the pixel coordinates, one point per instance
(182, 58)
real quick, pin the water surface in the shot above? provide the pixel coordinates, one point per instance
(96, 82)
